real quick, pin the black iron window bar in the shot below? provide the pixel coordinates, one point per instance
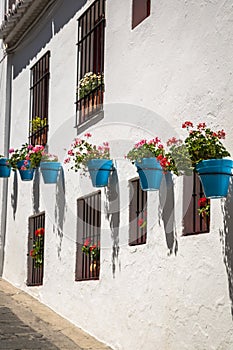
(39, 137)
(137, 214)
(91, 32)
(89, 224)
(39, 87)
(35, 273)
(198, 223)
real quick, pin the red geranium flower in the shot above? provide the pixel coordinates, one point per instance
(173, 141)
(201, 126)
(87, 242)
(39, 232)
(140, 222)
(187, 125)
(32, 253)
(202, 202)
(221, 134)
(159, 157)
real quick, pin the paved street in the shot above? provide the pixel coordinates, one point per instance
(27, 324)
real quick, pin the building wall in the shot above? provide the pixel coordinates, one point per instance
(175, 292)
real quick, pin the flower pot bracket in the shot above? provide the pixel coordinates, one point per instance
(148, 169)
(113, 168)
(45, 168)
(216, 173)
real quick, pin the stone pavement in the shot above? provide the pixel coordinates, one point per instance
(25, 323)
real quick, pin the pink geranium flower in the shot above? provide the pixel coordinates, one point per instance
(81, 151)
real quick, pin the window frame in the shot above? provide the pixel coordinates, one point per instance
(193, 223)
(90, 58)
(88, 227)
(39, 100)
(137, 14)
(137, 211)
(34, 274)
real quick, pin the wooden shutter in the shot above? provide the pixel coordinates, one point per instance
(140, 10)
(88, 228)
(137, 214)
(34, 274)
(193, 223)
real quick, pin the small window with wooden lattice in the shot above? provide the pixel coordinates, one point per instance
(90, 81)
(36, 250)
(38, 124)
(137, 214)
(88, 237)
(196, 208)
(140, 11)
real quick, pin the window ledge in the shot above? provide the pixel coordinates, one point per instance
(92, 120)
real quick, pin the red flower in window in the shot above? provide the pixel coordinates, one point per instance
(141, 223)
(87, 242)
(39, 232)
(204, 205)
(202, 202)
(32, 253)
(92, 250)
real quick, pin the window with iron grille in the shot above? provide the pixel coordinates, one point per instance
(35, 261)
(137, 214)
(140, 11)
(88, 237)
(90, 89)
(39, 94)
(193, 222)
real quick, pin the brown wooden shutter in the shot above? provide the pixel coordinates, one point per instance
(34, 274)
(137, 214)
(140, 10)
(88, 227)
(193, 223)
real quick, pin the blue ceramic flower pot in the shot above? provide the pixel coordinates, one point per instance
(49, 171)
(5, 169)
(215, 176)
(25, 174)
(150, 173)
(99, 170)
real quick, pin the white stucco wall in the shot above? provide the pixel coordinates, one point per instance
(175, 66)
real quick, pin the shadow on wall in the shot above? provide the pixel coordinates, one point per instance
(14, 194)
(167, 215)
(60, 208)
(54, 20)
(36, 192)
(226, 236)
(112, 208)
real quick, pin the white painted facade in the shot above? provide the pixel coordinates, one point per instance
(175, 66)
